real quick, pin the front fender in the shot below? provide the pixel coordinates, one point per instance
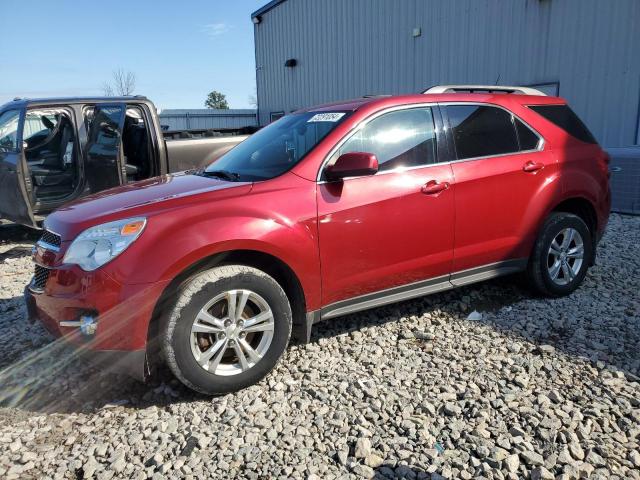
(280, 223)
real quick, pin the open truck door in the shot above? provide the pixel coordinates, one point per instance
(15, 180)
(104, 167)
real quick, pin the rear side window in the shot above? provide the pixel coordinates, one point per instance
(405, 138)
(527, 138)
(481, 131)
(563, 117)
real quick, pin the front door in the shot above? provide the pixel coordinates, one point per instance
(15, 184)
(393, 228)
(104, 167)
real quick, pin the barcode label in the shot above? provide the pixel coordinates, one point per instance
(326, 117)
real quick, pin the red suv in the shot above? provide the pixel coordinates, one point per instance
(327, 211)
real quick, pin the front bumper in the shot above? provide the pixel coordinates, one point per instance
(122, 314)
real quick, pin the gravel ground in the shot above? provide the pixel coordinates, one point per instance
(535, 388)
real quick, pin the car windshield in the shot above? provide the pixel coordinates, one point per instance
(276, 148)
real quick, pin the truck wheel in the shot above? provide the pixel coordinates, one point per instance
(229, 327)
(561, 255)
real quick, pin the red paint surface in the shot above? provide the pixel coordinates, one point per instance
(341, 239)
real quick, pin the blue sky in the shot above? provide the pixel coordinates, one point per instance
(179, 51)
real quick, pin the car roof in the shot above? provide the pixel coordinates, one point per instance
(384, 101)
(25, 102)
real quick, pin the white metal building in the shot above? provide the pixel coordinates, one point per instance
(587, 51)
(207, 118)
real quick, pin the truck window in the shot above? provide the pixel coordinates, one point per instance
(136, 142)
(49, 147)
(103, 152)
(9, 130)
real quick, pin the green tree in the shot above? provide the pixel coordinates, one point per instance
(216, 100)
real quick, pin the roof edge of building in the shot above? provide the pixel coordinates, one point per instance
(269, 6)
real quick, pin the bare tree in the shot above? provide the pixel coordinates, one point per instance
(107, 90)
(123, 83)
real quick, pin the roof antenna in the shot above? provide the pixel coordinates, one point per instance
(498, 79)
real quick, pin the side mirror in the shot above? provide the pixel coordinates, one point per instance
(352, 164)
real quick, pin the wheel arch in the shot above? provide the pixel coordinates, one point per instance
(275, 267)
(581, 207)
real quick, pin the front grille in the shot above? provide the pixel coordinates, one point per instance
(51, 238)
(40, 278)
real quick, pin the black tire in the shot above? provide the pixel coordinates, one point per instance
(538, 271)
(176, 328)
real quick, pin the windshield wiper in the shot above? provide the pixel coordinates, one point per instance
(223, 174)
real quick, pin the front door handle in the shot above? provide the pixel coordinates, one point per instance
(532, 166)
(432, 187)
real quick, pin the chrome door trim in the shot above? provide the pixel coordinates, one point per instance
(365, 121)
(361, 124)
(422, 288)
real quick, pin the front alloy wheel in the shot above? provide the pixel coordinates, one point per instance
(232, 332)
(228, 328)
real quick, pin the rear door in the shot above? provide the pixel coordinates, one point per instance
(15, 183)
(104, 167)
(500, 172)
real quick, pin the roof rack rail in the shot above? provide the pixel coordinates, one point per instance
(484, 88)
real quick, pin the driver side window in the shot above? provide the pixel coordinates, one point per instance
(404, 138)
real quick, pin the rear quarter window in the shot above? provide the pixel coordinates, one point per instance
(563, 117)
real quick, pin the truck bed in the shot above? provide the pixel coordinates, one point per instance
(198, 152)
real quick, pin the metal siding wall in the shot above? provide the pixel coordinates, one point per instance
(198, 119)
(348, 48)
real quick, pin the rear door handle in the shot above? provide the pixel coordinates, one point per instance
(432, 187)
(532, 167)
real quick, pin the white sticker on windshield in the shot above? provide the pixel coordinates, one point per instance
(326, 117)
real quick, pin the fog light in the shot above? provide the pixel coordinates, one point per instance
(88, 325)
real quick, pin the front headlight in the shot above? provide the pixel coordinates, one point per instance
(100, 244)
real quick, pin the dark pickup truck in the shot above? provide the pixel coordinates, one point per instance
(56, 150)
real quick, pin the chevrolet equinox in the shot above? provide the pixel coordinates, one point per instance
(327, 211)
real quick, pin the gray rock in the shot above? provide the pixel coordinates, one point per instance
(541, 473)
(512, 463)
(531, 458)
(363, 471)
(362, 448)
(374, 461)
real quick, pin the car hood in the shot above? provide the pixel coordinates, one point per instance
(139, 199)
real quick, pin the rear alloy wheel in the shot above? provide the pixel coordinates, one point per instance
(565, 256)
(561, 255)
(227, 330)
